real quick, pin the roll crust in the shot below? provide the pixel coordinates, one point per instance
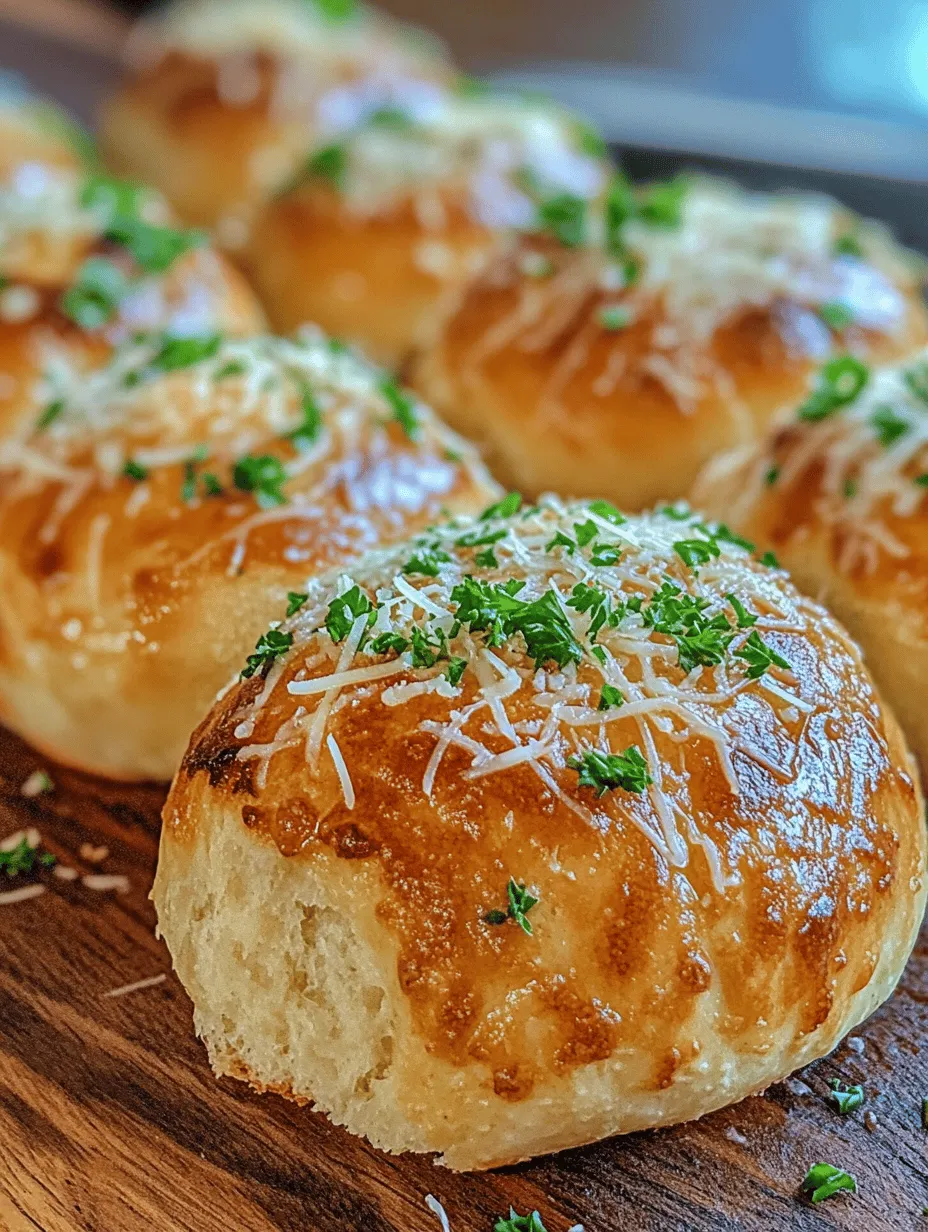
(575, 382)
(840, 499)
(337, 845)
(56, 224)
(139, 564)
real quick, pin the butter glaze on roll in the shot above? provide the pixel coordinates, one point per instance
(390, 220)
(58, 221)
(153, 529)
(578, 382)
(334, 878)
(840, 494)
(229, 96)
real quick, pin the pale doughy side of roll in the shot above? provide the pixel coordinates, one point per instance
(337, 845)
(575, 382)
(842, 503)
(139, 567)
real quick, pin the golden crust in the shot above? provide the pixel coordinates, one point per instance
(692, 942)
(841, 503)
(127, 602)
(713, 343)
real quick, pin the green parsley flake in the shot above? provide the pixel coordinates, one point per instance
(520, 1223)
(610, 697)
(389, 643)
(22, 859)
(696, 552)
(308, 431)
(234, 367)
(593, 600)
(96, 294)
(455, 670)
(264, 477)
(824, 1181)
(701, 640)
(603, 509)
(888, 425)
(590, 141)
(661, 205)
(760, 657)
(921, 480)
(836, 315)
(772, 475)
(743, 616)
(564, 217)
(121, 203)
(329, 163)
(520, 904)
(50, 414)
(486, 559)
(506, 508)
(848, 245)
(844, 1099)
(135, 470)
(270, 647)
(498, 611)
(615, 317)
(610, 771)
(345, 610)
(295, 600)
(336, 10)
(839, 382)
(916, 379)
(402, 407)
(426, 562)
(770, 560)
(182, 350)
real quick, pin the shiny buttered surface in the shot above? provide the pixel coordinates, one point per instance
(86, 261)
(228, 100)
(538, 828)
(839, 493)
(155, 522)
(678, 322)
(383, 225)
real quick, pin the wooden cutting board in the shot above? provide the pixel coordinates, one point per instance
(110, 1120)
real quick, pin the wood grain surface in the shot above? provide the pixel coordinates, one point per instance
(110, 1119)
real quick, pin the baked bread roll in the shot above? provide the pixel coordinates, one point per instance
(227, 96)
(154, 525)
(387, 222)
(86, 261)
(541, 828)
(620, 369)
(839, 494)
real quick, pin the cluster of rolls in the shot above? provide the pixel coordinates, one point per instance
(511, 822)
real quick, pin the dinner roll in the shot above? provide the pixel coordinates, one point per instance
(227, 96)
(154, 525)
(85, 262)
(839, 494)
(620, 369)
(540, 828)
(385, 223)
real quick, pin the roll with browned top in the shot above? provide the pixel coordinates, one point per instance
(153, 527)
(382, 226)
(540, 828)
(839, 494)
(86, 261)
(227, 97)
(690, 318)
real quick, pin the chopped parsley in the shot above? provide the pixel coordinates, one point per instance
(22, 859)
(844, 1099)
(389, 643)
(337, 10)
(393, 118)
(590, 140)
(520, 1223)
(620, 207)
(96, 294)
(888, 425)
(921, 480)
(742, 615)
(759, 656)
(701, 640)
(614, 317)
(269, 648)
(661, 205)
(295, 600)
(308, 431)
(478, 538)
(610, 697)
(916, 379)
(426, 650)
(848, 245)
(772, 476)
(604, 509)
(345, 610)
(234, 367)
(770, 560)
(263, 476)
(520, 904)
(696, 552)
(329, 163)
(824, 1181)
(402, 407)
(564, 217)
(455, 670)
(135, 470)
(498, 611)
(836, 315)
(610, 771)
(593, 600)
(505, 508)
(153, 248)
(486, 559)
(50, 414)
(839, 382)
(183, 350)
(426, 562)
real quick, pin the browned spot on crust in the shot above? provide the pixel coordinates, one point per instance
(349, 842)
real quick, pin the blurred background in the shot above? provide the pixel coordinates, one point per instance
(811, 93)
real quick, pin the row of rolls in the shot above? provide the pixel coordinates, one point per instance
(509, 822)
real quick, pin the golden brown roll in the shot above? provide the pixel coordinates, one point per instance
(154, 526)
(387, 222)
(227, 96)
(541, 828)
(839, 494)
(85, 262)
(621, 368)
